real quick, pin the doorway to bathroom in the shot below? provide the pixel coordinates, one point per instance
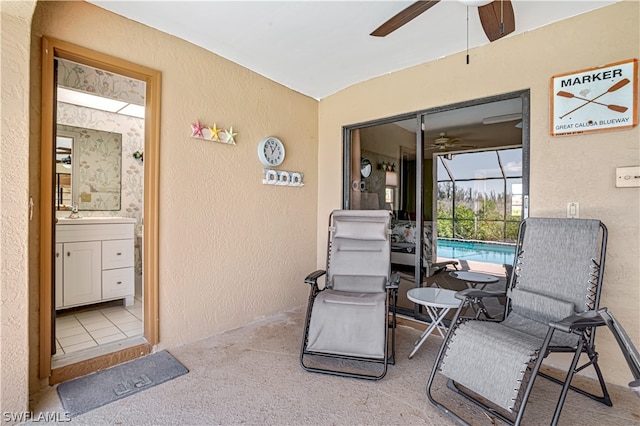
(99, 188)
(99, 159)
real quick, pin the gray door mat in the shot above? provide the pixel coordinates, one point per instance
(103, 387)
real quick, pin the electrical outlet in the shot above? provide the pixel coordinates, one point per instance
(573, 210)
(627, 177)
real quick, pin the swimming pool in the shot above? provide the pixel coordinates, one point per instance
(478, 251)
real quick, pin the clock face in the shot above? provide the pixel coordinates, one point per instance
(365, 167)
(271, 151)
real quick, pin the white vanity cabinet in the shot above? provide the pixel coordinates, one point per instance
(94, 261)
(81, 273)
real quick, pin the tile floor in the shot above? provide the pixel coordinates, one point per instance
(76, 331)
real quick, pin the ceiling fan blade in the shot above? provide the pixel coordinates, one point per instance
(403, 17)
(497, 19)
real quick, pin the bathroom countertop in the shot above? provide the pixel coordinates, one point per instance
(94, 220)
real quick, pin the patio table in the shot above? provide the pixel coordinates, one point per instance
(438, 302)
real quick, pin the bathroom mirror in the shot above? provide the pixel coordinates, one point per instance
(95, 160)
(365, 167)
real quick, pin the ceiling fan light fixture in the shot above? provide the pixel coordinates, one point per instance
(475, 3)
(502, 118)
(442, 139)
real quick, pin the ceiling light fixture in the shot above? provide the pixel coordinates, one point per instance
(88, 100)
(475, 3)
(502, 118)
(133, 110)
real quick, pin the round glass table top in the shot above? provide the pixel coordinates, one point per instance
(474, 277)
(432, 296)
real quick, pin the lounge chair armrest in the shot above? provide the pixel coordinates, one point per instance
(472, 293)
(578, 322)
(394, 281)
(443, 266)
(312, 278)
(446, 263)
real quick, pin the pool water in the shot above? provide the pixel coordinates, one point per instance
(478, 251)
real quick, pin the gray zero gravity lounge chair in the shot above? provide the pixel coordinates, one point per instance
(349, 317)
(556, 284)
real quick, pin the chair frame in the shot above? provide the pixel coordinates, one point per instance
(390, 308)
(579, 324)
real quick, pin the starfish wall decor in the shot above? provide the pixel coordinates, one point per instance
(213, 133)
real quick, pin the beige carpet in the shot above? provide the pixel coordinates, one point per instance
(252, 376)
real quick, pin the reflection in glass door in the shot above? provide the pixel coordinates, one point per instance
(383, 171)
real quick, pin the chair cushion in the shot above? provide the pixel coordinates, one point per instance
(358, 283)
(353, 230)
(344, 298)
(351, 324)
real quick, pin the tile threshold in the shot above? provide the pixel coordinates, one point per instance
(58, 361)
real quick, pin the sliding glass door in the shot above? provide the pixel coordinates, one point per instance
(455, 171)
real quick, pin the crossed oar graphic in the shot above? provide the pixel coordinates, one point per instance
(613, 88)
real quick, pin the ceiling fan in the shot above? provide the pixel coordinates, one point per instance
(444, 143)
(496, 17)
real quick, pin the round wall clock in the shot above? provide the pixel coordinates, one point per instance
(271, 151)
(365, 167)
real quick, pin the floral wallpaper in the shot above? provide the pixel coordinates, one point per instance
(88, 79)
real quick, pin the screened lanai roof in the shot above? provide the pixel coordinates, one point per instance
(506, 163)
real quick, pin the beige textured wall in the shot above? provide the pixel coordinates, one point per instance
(232, 249)
(575, 168)
(14, 201)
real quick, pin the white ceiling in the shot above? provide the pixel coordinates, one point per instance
(321, 47)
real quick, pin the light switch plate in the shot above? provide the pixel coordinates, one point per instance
(573, 210)
(627, 177)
